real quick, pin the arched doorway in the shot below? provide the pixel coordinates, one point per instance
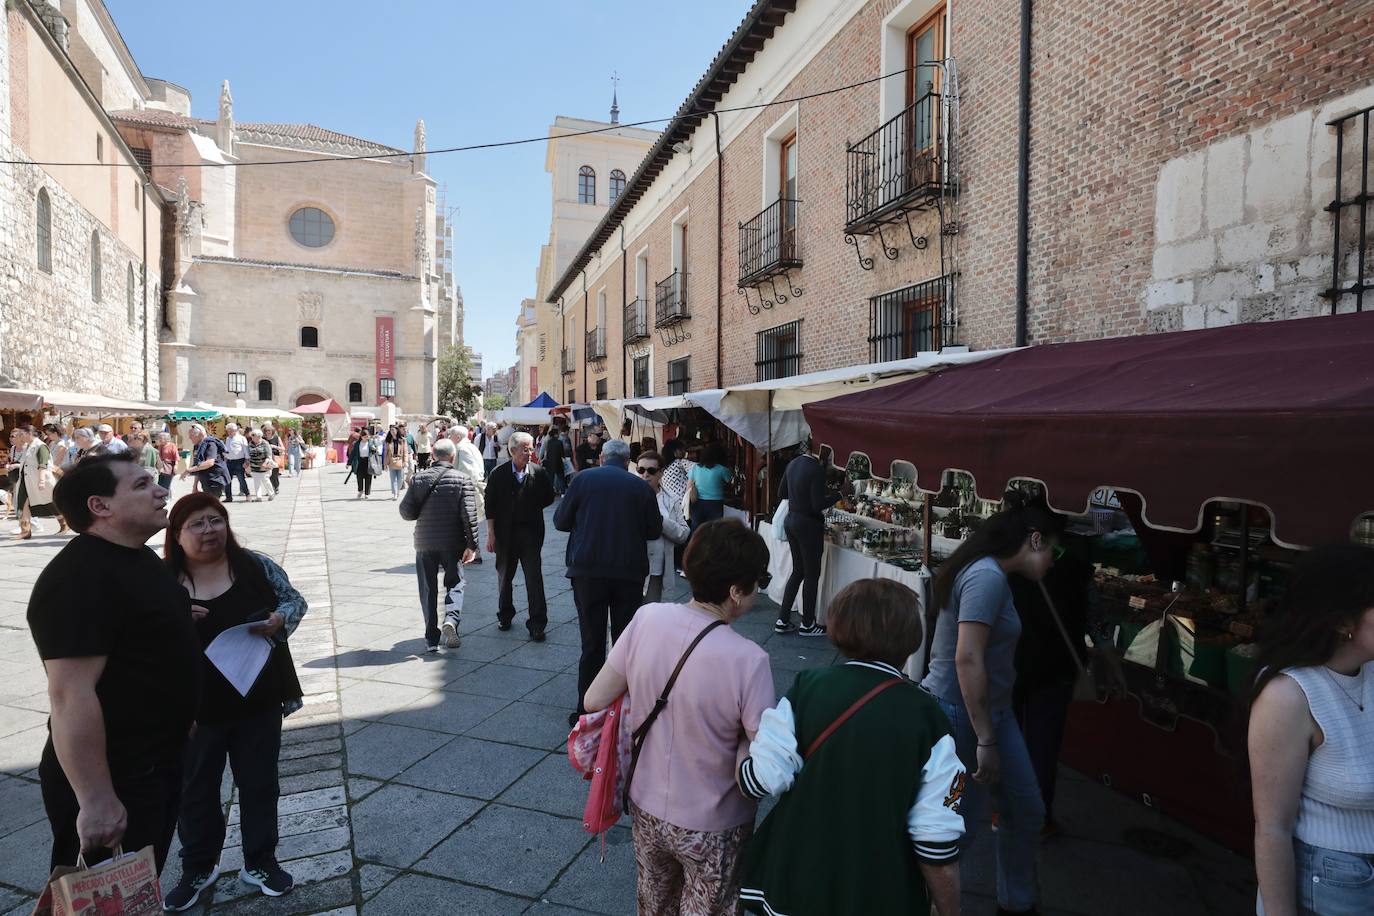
(309, 398)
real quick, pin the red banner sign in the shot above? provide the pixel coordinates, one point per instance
(386, 354)
(534, 382)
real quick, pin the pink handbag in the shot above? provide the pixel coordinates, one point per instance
(599, 749)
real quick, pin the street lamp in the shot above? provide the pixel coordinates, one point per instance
(238, 382)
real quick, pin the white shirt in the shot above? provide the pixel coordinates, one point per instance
(115, 444)
(235, 447)
(492, 447)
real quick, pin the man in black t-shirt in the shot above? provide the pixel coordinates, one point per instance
(123, 665)
(588, 452)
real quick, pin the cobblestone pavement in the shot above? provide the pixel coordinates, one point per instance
(413, 781)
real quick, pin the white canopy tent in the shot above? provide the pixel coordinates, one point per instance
(524, 416)
(747, 409)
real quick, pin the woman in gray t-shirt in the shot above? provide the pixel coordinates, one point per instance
(972, 672)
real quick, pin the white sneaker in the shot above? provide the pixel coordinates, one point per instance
(449, 632)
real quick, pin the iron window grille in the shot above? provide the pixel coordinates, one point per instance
(901, 166)
(912, 320)
(264, 389)
(596, 344)
(641, 377)
(680, 375)
(238, 382)
(636, 320)
(777, 352)
(386, 387)
(144, 157)
(670, 300)
(1355, 257)
(768, 243)
(355, 392)
(568, 358)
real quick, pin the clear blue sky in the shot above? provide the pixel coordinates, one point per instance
(474, 71)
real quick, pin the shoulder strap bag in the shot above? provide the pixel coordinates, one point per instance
(637, 738)
(843, 717)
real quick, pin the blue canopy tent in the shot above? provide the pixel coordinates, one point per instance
(543, 401)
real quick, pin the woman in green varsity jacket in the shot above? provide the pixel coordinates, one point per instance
(868, 773)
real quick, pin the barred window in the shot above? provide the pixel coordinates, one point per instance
(641, 376)
(355, 392)
(912, 320)
(680, 375)
(778, 352)
(264, 389)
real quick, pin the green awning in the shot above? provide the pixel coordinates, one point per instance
(188, 416)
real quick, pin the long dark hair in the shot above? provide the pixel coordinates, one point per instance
(241, 562)
(1001, 536)
(1331, 587)
(711, 455)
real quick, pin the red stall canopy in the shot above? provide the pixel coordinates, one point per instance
(1276, 413)
(328, 405)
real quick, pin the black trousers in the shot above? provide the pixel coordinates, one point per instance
(362, 470)
(251, 747)
(597, 601)
(151, 799)
(524, 549)
(276, 475)
(806, 538)
(1043, 712)
(427, 566)
(236, 472)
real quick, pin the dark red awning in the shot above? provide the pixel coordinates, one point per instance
(1276, 413)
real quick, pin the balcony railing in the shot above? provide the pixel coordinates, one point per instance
(768, 243)
(670, 300)
(917, 319)
(569, 366)
(899, 167)
(636, 320)
(596, 344)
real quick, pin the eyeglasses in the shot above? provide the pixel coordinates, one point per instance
(649, 471)
(208, 523)
(765, 579)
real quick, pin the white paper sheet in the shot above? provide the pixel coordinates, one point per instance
(240, 655)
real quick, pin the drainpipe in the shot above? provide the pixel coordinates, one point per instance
(143, 207)
(1023, 178)
(585, 328)
(720, 262)
(624, 302)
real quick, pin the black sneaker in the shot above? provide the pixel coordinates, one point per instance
(814, 630)
(503, 625)
(188, 890)
(272, 880)
(784, 626)
(536, 635)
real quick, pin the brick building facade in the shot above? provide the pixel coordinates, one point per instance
(1181, 165)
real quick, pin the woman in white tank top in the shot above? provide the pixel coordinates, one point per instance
(1312, 741)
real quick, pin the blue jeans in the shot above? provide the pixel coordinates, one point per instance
(1333, 883)
(1016, 797)
(398, 477)
(706, 510)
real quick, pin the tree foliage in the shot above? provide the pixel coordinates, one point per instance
(458, 396)
(494, 402)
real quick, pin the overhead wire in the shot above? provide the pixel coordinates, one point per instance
(473, 147)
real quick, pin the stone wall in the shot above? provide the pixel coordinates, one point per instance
(52, 333)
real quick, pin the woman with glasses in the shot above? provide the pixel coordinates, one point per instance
(690, 819)
(972, 673)
(675, 531)
(231, 587)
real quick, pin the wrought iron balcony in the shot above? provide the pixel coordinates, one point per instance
(636, 320)
(917, 319)
(901, 167)
(596, 344)
(569, 367)
(670, 300)
(768, 243)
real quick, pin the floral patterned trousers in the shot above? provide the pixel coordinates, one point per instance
(687, 872)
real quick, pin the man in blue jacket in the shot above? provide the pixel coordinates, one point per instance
(611, 516)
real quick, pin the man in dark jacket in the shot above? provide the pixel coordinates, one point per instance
(552, 460)
(443, 504)
(518, 491)
(612, 516)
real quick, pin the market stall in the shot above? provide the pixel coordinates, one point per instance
(1193, 462)
(332, 429)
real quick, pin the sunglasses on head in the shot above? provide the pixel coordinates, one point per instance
(649, 471)
(765, 579)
